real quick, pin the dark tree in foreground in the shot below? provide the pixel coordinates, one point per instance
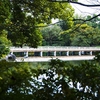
(57, 81)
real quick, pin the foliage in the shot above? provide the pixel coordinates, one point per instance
(79, 36)
(78, 33)
(65, 38)
(95, 23)
(63, 81)
(21, 19)
(4, 14)
(60, 80)
(65, 24)
(51, 35)
(14, 79)
(4, 44)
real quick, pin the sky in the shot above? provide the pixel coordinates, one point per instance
(86, 10)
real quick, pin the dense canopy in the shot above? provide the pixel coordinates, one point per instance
(21, 19)
(20, 22)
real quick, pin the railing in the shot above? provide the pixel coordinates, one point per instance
(55, 48)
(61, 52)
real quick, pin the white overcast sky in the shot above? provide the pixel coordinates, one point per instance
(84, 11)
(79, 9)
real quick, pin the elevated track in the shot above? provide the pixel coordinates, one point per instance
(46, 53)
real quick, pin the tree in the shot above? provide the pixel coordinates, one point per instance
(96, 4)
(95, 23)
(4, 44)
(5, 14)
(65, 38)
(14, 80)
(60, 80)
(85, 35)
(51, 35)
(65, 24)
(25, 16)
(90, 4)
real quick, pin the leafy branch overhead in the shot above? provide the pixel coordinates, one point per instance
(76, 2)
(20, 19)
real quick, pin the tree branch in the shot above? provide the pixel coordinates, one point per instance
(87, 19)
(87, 5)
(74, 2)
(73, 20)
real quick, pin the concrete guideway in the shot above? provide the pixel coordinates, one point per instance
(57, 49)
(46, 53)
(47, 59)
(54, 48)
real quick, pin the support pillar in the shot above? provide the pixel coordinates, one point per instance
(41, 53)
(27, 54)
(11, 52)
(54, 53)
(79, 53)
(67, 53)
(91, 53)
